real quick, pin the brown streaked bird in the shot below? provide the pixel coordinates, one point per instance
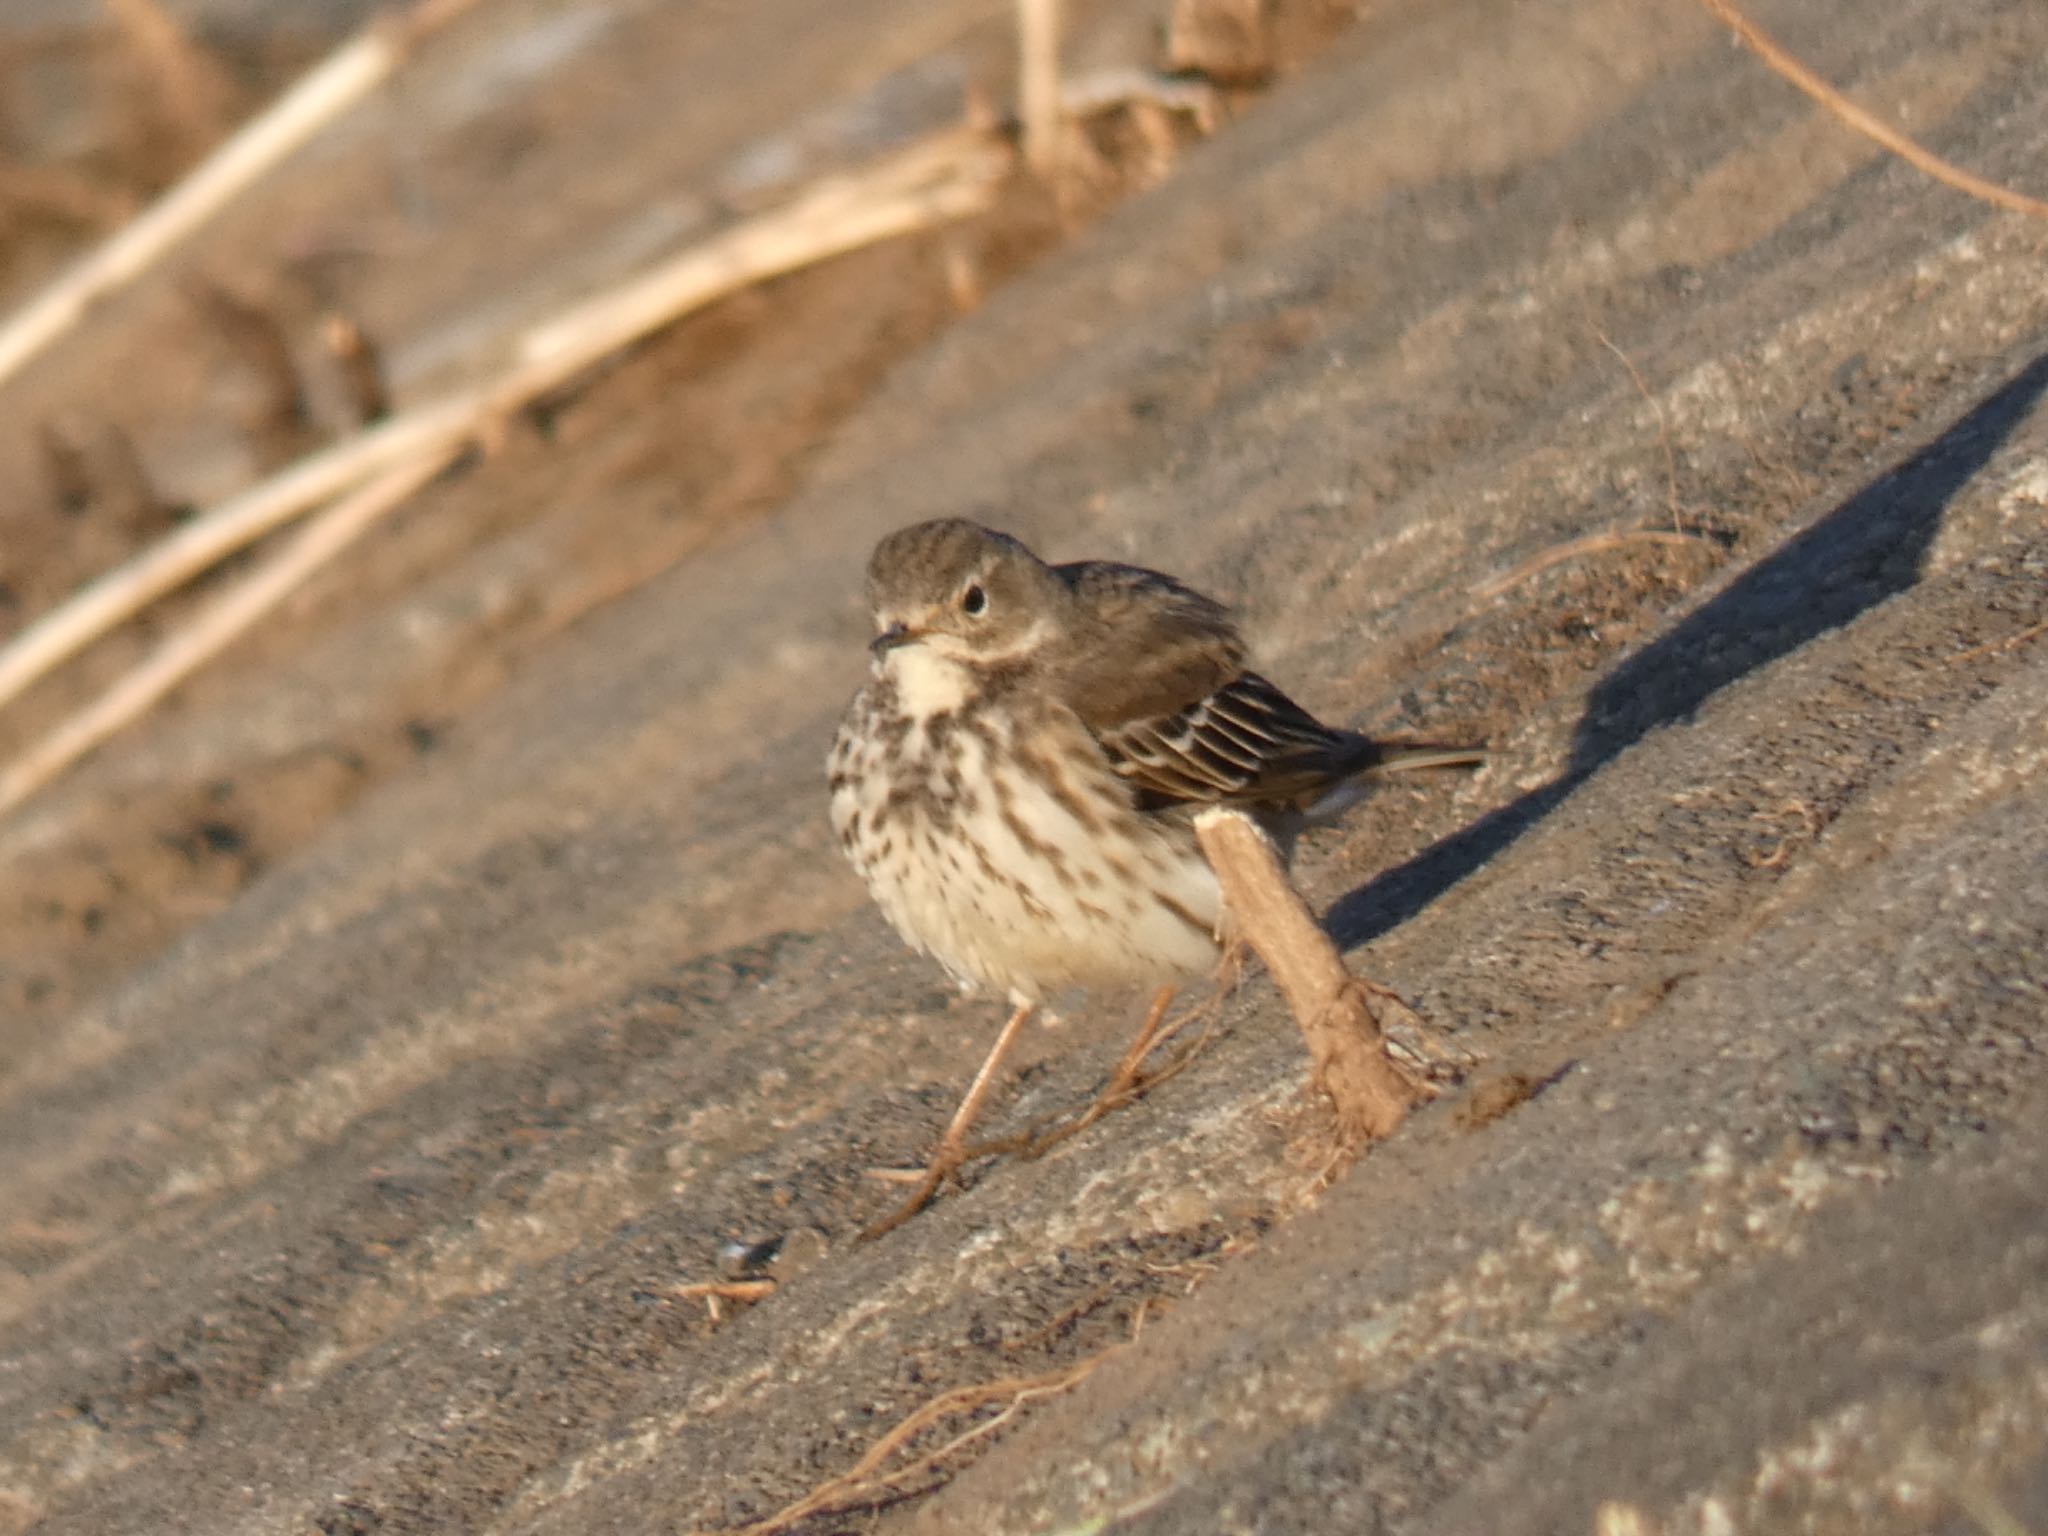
(1017, 782)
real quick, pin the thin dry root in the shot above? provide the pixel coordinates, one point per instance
(1572, 549)
(867, 1484)
(1921, 158)
(1992, 648)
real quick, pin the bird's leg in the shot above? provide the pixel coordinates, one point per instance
(951, 1150)
(1128, 1070)
(1129, 1079)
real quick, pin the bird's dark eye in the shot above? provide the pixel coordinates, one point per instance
(973, 601)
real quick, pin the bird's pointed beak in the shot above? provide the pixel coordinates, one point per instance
(893, 636)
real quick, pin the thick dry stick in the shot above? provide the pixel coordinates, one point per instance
(1786, 66)
(945, 178)
(347, 75)
(932, 183)
(216, 628)
(1370, 1094)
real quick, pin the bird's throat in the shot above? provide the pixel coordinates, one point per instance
(927, 683)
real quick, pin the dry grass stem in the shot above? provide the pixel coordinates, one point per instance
(730, 1290)
(904, 1175)
(1663, 428)
(1038, 84)
(867, 1484)
(345, 77)
(947, 177)
(215, 628)
(1784, 64)
(935, 182)
(1572, 549)
(1370, 1094)
(212, 536)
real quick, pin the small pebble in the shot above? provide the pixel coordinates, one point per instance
(739, 1260)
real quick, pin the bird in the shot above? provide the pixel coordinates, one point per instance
(1017, 780)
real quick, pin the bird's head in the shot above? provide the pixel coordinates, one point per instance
(957, 590)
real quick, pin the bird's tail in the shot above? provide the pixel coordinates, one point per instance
(1375, 760)
(1412, 757)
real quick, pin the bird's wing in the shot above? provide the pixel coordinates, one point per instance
(1244, 742)
(1162, 687)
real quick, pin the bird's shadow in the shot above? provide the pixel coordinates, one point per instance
(1873, 545)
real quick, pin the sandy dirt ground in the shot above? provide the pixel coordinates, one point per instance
(394, 1027)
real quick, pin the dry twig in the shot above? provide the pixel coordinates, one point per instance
(712, 1292)
(1370, 1094)
(1785, 65)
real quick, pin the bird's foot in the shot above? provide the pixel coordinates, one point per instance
(952, 1150)
(945, 1162)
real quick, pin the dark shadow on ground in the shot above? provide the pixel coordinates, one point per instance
(1866, 550)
